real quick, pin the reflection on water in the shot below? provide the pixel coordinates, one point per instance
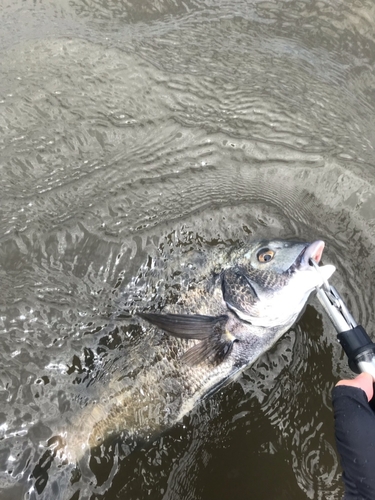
(135, 138)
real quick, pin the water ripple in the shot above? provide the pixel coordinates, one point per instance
(138, 141)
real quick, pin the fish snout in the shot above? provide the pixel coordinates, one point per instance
(314, 253)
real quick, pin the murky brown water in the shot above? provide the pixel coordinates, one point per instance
(136, 135)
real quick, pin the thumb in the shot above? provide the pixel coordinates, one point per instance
(363, 381)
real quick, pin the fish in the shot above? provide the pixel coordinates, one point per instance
(191, 349)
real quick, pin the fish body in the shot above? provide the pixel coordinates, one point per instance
(204, 341)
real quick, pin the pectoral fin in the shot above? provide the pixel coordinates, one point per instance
(215, 349)
(216, 342)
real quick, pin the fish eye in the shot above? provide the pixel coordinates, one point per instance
(265, 255)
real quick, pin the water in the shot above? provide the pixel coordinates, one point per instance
(135, 136)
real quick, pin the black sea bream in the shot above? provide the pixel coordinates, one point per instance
(205, 340)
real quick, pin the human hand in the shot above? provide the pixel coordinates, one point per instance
(363, 381)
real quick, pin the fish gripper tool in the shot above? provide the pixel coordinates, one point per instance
(358, 346)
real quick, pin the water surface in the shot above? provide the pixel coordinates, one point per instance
(135, 137)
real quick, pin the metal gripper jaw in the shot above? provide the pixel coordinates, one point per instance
(353, 338)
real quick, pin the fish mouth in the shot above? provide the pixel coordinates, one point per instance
(314, 251)
(309, 259)
(310, 251)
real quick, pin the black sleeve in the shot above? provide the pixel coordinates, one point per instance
(355, 439)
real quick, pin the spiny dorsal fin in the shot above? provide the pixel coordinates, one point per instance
(216, 342)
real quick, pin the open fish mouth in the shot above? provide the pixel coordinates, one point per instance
(310, 258)
(312, 251)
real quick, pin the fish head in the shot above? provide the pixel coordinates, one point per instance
(270, 283)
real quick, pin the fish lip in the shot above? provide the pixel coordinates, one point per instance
(313, 251)
(310, 251)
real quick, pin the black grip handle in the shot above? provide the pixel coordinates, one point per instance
(355, 342)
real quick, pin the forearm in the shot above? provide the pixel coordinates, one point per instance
(355, 439)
